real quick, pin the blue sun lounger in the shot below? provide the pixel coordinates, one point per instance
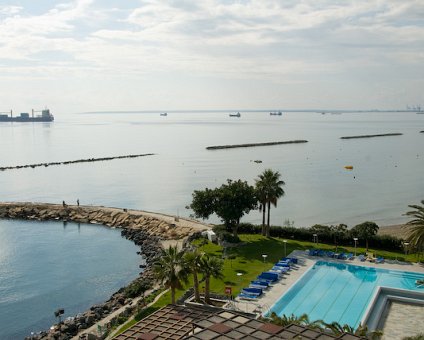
(252, 291)
(260, 283)
(245, 296)
(272, 277)
(290, 259)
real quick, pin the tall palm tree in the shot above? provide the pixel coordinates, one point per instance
(261, 194)
(269, 186)
(192, 262)
(211, 266)
(415, 227)
(170, 269)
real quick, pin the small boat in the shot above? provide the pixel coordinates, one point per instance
(164, 114)
(349, 167)
(235, 114)
(276, 113)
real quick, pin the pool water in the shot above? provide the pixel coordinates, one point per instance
(340, 292)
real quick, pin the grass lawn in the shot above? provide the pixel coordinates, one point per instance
(249, 262)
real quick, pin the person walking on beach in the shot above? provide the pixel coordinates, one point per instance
(64, 204)
(77, 201)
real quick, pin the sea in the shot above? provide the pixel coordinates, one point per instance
(387, 175)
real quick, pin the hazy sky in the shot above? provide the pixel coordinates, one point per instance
(88, 55)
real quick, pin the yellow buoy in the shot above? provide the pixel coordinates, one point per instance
(349, 167)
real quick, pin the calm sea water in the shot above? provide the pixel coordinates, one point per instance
(387, 176)
(46, 266)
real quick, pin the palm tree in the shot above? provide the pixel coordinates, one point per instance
(211, 266)
(416, 226)
(170, 269)
(261, 194)
(269, 190)
(362, 331)
(303, 319)
(192, 263)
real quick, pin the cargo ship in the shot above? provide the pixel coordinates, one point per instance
(45, 116)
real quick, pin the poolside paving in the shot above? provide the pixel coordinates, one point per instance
(403, 320)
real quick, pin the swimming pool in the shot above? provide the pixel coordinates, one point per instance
(340, 292)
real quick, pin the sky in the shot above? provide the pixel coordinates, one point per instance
(95, 55)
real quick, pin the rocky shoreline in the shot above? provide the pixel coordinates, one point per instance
(144, 229)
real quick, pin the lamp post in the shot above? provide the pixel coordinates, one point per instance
(356, 240)
(239, 278)
(315, 238)
(264, 256)
(285, 249)
(406, 244)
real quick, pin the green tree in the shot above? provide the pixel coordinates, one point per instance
(269, 190)
(231, 201)
(192, 263)
(203, 203)
(338, 232)
(211, 266)
(415, 227)
(365, 231)
(169, 269)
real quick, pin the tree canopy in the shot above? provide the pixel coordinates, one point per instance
(231, 201)
(365, 230)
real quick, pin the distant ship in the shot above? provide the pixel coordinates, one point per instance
(235, 114)
(164, 114)
(277, 113)
(45, 116)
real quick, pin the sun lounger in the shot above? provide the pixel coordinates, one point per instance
(361, 258)
(252, 291)
(379, 259)
(349, 256)
(282, 264)
(272, 277)
(260, 282)
(267, 281)
(245, 296)
(330, 253)
(258, 285)
(280, 270)
(290, 259)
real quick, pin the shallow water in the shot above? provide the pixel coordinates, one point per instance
(49, 265)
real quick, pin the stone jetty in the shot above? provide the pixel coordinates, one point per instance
(249, 145)
(371, 136)
(145, 229)
(102, 159)
(166, 227)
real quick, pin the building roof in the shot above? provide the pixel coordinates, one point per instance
(169, 322)
(204, 322)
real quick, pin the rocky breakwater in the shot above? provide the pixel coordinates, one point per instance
(146, 230)
(153, 224)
